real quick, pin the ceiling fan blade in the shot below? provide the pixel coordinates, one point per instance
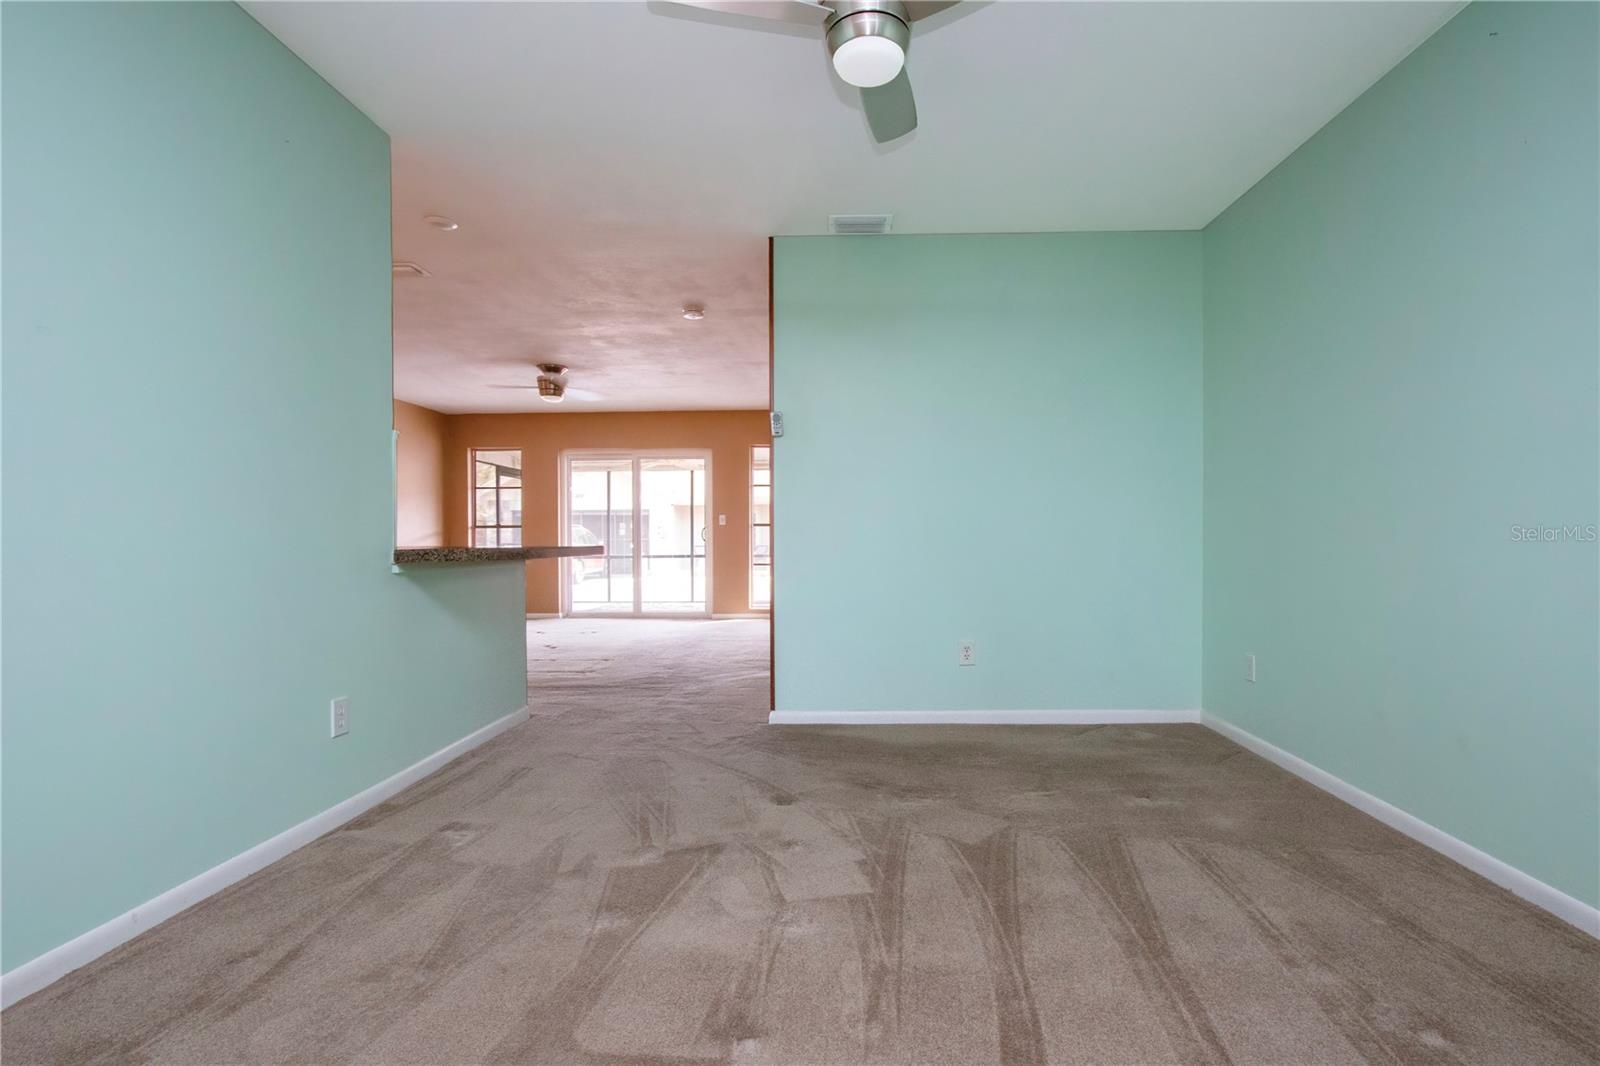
(891, 110)
(583, 395)
(513, 386)
(921, 9)
(799, 12)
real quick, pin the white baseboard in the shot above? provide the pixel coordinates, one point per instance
(743, 614)
(1118, 717)
(552, 614)
(1508, 877)
(56, 963)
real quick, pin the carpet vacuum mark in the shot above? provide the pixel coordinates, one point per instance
(646, 872)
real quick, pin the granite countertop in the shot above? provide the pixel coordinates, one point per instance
(494, 555)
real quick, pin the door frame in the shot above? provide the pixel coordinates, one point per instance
(772, 479)
(563, 473)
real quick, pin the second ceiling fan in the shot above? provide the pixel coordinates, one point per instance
(867, 40)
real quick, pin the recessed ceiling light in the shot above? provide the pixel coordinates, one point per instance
(694, 312)
(440, 222)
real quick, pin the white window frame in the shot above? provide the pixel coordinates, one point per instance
(753, 525)
(472, 499)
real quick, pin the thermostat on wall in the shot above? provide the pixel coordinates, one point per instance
(777, 423)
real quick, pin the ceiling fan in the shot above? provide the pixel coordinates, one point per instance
(867, 40)
(553, 387)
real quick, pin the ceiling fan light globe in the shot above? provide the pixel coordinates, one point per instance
(549, 397)
(868, 62)
(867, 41)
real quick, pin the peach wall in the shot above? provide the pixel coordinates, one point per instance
(729, 435)
(419, 490)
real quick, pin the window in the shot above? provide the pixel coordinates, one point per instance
(761, 527)
(496, 499)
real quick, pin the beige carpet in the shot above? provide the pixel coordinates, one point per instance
(648, 873)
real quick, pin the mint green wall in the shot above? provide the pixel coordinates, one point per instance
(196, 382)
(1401, 349)
(995, 438)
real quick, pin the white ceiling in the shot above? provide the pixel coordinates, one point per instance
(610, 162)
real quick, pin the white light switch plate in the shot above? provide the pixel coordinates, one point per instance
(1249, 667)
(339, 717)
(966, 653)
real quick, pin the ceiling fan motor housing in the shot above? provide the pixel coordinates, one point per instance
(851, 19)
(551, 385)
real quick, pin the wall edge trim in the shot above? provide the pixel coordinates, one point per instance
(1523, 885)
(46, 969)
(976, 717)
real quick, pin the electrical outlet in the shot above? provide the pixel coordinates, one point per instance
(1249, 667)
(339, 717)
(722, 519)
(966, 653)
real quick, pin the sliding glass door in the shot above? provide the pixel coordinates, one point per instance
(672, 543)
(600, 511)
(649, 512)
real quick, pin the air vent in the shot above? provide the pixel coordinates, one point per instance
(403, 269)
(859, 224)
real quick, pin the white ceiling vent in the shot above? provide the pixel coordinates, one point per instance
(403, 269)
(859, 224)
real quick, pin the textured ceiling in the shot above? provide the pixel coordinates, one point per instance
(610, 162)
